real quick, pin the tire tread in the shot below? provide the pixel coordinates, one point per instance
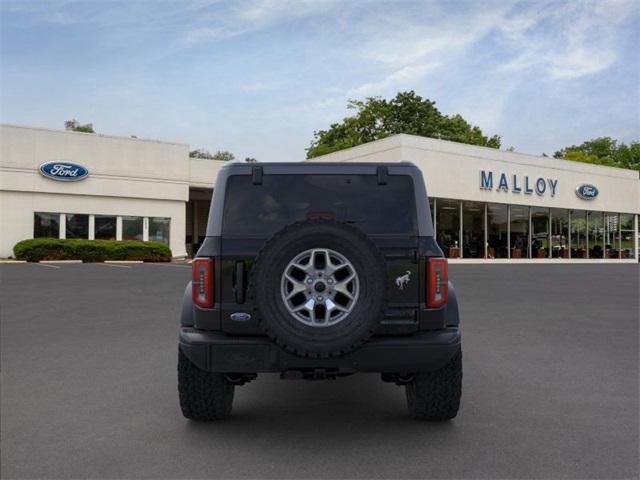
(204, 396)
(435, 396)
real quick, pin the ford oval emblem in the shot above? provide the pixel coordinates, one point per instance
(240, 317)
(586, 191)
(63, 171)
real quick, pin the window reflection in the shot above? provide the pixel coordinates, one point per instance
(159, 229)
(519, 231)
(626, 236)
(578, 234)
(77, 226)
(497, 230)
(539, 232)
(132, 228)
(596, 235)
(611, 235)
(448, 231)
(46, 225)
(559, 233)
(105, 227)
(472, 230)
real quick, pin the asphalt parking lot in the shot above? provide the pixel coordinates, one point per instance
(89, 385)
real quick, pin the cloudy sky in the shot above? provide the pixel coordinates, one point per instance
(258, 77)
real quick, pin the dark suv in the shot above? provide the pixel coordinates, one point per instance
(316, 271)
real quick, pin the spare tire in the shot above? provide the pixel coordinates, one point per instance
(319, 288)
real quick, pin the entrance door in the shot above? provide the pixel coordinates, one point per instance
(197, 217)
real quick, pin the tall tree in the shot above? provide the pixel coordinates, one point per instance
(223, 155)
(604, 151)
(74, 126)
(377, 118)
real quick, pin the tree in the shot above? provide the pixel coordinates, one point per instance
(75, 126)
(377, 118)
(604, 151)
(223, 155)
(250, 160)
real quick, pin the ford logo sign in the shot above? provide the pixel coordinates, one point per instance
(586, 191)
(63, 171)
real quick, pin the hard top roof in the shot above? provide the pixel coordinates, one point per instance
(317, 164)
(334, 168)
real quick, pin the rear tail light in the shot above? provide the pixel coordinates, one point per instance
(437, 282)
(202, 282)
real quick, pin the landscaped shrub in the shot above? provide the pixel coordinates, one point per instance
(37, 249)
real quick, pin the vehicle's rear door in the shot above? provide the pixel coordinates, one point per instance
(383, 209)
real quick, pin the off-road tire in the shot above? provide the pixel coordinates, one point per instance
(435, 396)
(293, 335)
(204, 396)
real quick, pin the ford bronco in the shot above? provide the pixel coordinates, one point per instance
(317, 271)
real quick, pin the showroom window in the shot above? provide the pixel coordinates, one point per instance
(519, 231)
(46, 225)
(106, 227)
(77, 226)
(448, 231)
(539, 232)
(101, 227)
(473, 230)
(578, 234)
(497, 231)
(560, 233)
(159, 229)
(132, 228)
(611, 235)
(626, 236)
(595, 236)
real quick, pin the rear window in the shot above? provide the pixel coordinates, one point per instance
(285, 199)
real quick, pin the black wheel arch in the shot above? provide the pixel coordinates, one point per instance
(186, 314)
(453, 312)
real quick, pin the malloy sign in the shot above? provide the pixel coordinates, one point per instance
(515, 183)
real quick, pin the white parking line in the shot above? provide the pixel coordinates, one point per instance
(112, 265)
(46, 265)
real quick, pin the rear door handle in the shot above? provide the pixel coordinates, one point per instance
(240, 285)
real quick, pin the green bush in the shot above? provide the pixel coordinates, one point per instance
(37, 249)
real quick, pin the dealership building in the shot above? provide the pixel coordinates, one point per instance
(486, 205)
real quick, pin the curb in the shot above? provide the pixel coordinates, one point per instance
(60, 261)
(8, 262)
(541, 261)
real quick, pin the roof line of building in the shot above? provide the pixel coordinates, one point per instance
(118, 137)
(563, 163)
(477, 151)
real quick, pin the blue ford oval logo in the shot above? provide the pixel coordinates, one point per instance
(64, 171)
(586, 191)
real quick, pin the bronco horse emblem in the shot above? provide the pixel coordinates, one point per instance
(402, 280)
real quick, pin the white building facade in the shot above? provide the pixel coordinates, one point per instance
(135, 189)
(487, 204)
(502, 206)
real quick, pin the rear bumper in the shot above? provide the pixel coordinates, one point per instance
(217, 352)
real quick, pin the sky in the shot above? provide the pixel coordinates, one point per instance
(258, 77)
